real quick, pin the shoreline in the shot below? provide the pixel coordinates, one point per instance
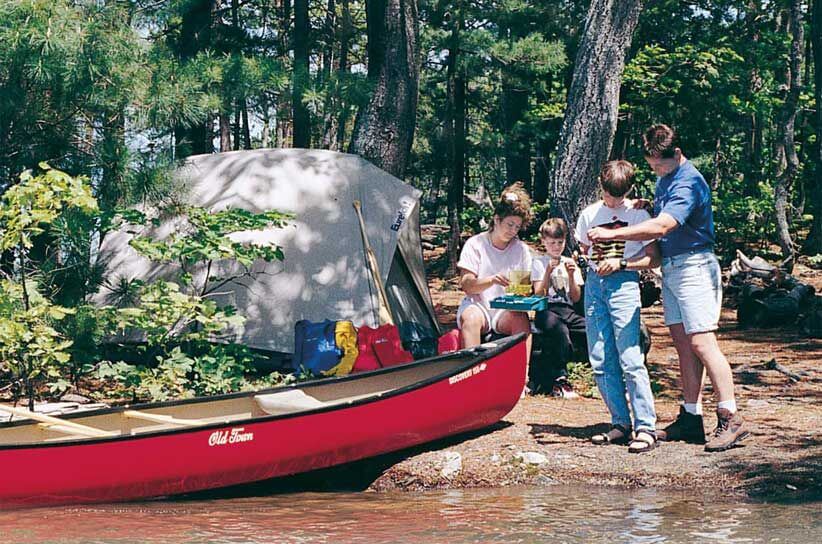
(546, 441)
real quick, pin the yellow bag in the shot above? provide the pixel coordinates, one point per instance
(345, 336)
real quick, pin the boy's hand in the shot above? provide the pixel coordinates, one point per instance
(599, 234)
(570, 267)
(608, 266)
(644, 204)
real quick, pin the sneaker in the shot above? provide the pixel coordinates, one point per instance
(730, 430)
(687, 428)
(564, 390)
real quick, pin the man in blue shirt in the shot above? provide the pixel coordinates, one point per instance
(691, 285)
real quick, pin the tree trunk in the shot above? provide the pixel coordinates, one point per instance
(346, 33)
(301, 115)
(246, 127)
(593, 100)
(455, 136)
(329, 125)
(785, 146)
(384, 129)
(813, 245)
(456, 183)
(514, 107)
(237, 125)
(517, 142)
(752, 149)
(195, 36)
(225, 132)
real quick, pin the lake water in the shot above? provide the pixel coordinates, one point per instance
(513, 514)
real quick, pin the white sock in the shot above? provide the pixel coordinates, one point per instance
(729, 405)
(693, 408)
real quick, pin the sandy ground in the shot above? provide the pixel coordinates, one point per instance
(546, 440)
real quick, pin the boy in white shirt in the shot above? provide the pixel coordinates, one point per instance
(561, 327)
(612, 305)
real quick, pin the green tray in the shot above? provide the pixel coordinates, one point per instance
(520, 304)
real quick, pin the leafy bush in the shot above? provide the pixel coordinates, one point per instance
(187, 345)
(581, 377)
(31, 349)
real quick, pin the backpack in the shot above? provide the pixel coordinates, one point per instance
(315, 346)
(379, 348)
(418, 339)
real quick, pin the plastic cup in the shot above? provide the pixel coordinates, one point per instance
(519, 282)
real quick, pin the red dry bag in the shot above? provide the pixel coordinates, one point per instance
(379, 348)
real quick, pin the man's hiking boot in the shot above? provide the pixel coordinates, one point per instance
(687, 428)
(730, 430)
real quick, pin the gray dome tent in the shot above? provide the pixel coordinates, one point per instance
(324, 274)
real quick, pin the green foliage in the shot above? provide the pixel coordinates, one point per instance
(474, 219)
(31, 349)
(27, 208)
(203, 238)
(45, 343)
(180, 332)
(65, 67)
(581, 377)
(178, 322)
(198, 370)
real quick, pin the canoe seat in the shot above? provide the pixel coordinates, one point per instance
(286, 402)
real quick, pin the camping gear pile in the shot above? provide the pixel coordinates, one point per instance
(769, 296)
(337, 348)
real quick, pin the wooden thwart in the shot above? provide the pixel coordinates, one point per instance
(162, 418)
(57, 424)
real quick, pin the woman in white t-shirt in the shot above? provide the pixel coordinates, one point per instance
(484, 263)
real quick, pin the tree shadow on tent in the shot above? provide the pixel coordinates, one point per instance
(354, 476)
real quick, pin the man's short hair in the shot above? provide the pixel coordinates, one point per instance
(617, 177)
(554, 227)
(660, 141)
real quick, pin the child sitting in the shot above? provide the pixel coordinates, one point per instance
(612, 305)
(561, 327)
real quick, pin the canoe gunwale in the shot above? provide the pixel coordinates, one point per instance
(473, 357)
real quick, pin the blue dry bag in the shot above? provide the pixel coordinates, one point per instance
(315, 346)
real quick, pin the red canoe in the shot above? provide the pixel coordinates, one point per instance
(161, 449)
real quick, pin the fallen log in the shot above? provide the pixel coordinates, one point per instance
(773, 365)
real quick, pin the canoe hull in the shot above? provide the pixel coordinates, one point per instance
(198, 459)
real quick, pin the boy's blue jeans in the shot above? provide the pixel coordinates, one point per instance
(612, 307)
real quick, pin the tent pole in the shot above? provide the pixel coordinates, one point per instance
(371, 258)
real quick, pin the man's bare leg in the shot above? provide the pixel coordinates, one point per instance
(691, 369)
(706, 348)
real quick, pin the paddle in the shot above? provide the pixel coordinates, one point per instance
(371, 259)
(50, 421)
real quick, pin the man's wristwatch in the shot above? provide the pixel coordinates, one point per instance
(623, 264)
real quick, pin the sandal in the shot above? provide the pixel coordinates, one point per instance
(643, 441)
(617, 435)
